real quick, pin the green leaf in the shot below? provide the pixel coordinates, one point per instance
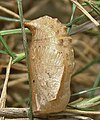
(6, 47)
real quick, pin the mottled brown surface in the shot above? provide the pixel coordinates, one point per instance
(51, 62)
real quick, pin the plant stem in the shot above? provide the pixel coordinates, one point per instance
(6, 47)
(85, 91)
(96, 83)
(97, 59)
(25, 44)
(72, 16)
(13, 31)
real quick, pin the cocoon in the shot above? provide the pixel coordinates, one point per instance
(51, 62)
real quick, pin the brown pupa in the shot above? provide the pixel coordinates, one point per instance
(51, 62)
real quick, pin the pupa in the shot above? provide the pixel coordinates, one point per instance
(51, 63)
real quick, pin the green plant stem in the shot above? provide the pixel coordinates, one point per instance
(85, 91)
(6, 47)
(72, 16)
(97, 59)
(13, 31)
(9, 19)
(3, 52)
(19, 57)
(81, 18)
(95, 2)
(96, 9)
(93, 33)
(86, 103)
(96, 83)
(25, 44)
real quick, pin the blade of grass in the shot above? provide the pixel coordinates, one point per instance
(95, 2)
(8, 19)
(13, 31)
(80, 18)
(96, 83)
(19, 57)
(72, 16)
(85, 91)
(86, 103)
(6, 47)
(83, 112)
(83, 27)
(4, 90)
(3, 52)
(93, 33)
(85, 12)
(25, 44)
(96, 9)
(97, 59)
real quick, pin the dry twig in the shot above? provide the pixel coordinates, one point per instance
(23, 113)
(4, 91)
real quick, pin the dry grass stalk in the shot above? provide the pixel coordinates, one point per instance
(4, 91)
(9, 12)
(85, 12)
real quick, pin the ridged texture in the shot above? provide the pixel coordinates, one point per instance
(51, 62)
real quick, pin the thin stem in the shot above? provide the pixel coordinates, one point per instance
(72, 17)
(25, 44)
(97, 59)
(81, 18)
(13, 31)
(85, 12)
(9, 11)
(9, 19)
(96, 9)
(95, 2)
(85, 91)
(96, 83)
(4, 91)
(19, 57)
(6, 47)
(3, 52)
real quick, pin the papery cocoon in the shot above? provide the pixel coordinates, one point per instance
(51, 63)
